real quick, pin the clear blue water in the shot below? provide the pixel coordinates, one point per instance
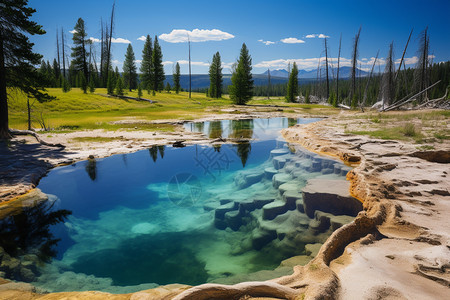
(154, 217)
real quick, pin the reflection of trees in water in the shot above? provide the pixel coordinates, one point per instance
(242, 129)
(91, 168)
(199, 126)
(154, 152)
(161, 150)
(28, 232)
(292, 121)
(243, 151)
(215, 129)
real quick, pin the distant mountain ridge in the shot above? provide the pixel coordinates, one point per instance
(280, 76)
(344, 72)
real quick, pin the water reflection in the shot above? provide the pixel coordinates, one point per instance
(91, 168)
(243, 150)
(154, 152)
(26, 240)
(215, 130)
(242, 129)
(292, 122)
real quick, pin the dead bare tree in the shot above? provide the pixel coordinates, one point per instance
(388, 81)
(109, 41)
(354, 65)
(421, 74)
(414, 97)
(190, 78)
(63, 45)
(368, 80)
(337, 75)
(403, 55)
(326, 68)
(102, 41)
(57, 51)
(317, 80)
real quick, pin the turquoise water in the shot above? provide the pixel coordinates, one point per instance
(169, 215)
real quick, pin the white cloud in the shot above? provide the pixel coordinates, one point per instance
(142, 38)
(196, 35)
(167, 62)
(193, 63)
(292, 41)
(408, 60)
(267, 43)
(316, 35)
(73, 31)
(311, 63)
(94, 40)
(120, 41)
(138, 61)
(116, 62)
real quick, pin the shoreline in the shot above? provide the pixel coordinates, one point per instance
(400, 226)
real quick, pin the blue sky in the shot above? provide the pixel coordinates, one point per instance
(276, 32)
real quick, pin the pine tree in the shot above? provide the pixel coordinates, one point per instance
(110, 84)
(241, 90)
(146, 65)
(157, 67)
(176, 78)
(168, 88)
(65, 85)
(119, 87)
(91, 84)
(83, 83)
(139, 90)
(56, 72)
(79, 53)
(17, 58)
(129, 69)
(292, 88)
(215, 77)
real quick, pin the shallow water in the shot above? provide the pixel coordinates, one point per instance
(167, 215)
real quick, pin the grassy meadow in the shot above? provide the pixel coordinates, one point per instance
(75, 110)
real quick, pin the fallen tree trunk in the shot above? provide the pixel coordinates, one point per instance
(410, 99)
(434, 101)
(36, 136)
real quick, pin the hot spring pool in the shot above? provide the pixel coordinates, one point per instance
(222, 213)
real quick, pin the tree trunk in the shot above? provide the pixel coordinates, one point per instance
(63, 53)
(108, 56)
(326, 65)
(4, 127)
(337, 75)
(190, 86)
(29, 113)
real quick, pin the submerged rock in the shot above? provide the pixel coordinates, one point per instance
(273, 209)
(331, 196)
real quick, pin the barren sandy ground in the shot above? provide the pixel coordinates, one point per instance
(397, 248)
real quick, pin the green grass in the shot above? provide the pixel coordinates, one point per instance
(78, 111)
(406, 132)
